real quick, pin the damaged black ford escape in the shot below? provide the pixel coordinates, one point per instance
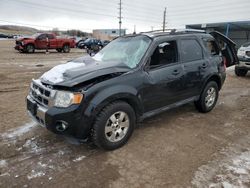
(132, 78)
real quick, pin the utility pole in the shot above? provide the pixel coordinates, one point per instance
(134, 29)
(120, 17)
(152, 28)
(164, 19)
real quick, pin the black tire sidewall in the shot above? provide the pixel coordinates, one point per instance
(240, 72)
(99, 126)
(68, 49)
(202, 102)
(32, 46)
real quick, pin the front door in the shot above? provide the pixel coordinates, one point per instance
(41, 41)
(163, 82)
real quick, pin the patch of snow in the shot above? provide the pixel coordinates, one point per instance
(35, 174)
(3, 163)
(5, 174)
(231, 171)
(79, 158)
(32, 146)
(55, 75)
(230, 68)
(13, 133)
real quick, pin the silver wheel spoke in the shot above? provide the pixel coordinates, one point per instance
(113, 118)
(124, 124)
(108, 129)
(112, 137)
(121, 117)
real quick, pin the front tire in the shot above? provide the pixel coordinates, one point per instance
(66, 48)
(59, 50)
(114, 125)
(240, 72)
(208, 97)
(30, 48)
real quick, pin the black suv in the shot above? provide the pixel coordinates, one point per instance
(132, 78)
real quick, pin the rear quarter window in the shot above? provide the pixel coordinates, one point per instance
(211, 47)
(191, 50)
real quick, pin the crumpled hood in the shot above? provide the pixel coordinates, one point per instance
(80, 70)
(24, 38)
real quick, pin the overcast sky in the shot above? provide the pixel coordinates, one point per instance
(145, 14)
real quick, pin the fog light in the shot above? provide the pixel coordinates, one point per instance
(61, 126)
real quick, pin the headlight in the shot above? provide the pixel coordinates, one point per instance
(65, 99)
(22, 43)
(248, 53)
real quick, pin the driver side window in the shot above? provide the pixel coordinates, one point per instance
(164, 54)
(42, 37)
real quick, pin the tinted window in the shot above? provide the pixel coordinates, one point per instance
(211, 47)
(165, 53)
(42, 37)
(191, 50)
(50, 36)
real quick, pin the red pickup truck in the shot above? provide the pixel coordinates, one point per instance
(41, 41)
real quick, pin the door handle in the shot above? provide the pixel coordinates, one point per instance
(176, 72)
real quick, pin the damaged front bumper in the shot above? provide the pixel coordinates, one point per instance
(67, 121)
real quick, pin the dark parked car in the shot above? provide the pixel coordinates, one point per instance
(132, 78)
(90, 42)
(3, 35)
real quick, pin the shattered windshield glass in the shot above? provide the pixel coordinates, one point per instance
(127, 50)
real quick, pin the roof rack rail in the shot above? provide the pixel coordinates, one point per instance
(189, 31)
(159, 31)
(176, 31)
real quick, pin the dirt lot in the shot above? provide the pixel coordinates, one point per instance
(179, 148)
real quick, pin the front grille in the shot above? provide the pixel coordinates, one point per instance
(40, 93)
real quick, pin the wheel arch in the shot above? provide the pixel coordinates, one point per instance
(101, 100)
(216, 78)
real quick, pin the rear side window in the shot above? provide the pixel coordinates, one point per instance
(191, 50)
(211, 47)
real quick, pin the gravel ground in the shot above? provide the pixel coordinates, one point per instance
(178, 148)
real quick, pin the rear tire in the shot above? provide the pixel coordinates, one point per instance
(240, 72)
(114, 125)
(66, 48)
(208, 97)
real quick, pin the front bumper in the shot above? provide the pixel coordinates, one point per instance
(19, 47)
(77, 124)
(244, 64)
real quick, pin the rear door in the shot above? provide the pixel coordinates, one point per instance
(227, 47)
(52, 41)
(195, 65)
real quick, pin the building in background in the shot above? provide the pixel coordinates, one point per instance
(107, 34)
(239, 32)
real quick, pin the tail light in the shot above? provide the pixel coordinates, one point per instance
(224, 62)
